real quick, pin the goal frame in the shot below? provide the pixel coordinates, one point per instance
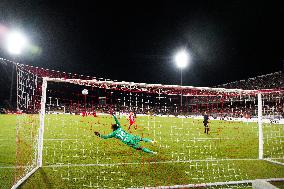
(111, 84)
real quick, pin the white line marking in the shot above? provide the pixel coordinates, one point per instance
(213, 138)
(24, 178)
(137, 163)
(152, 162)
(60, 139)
(209, 184)
(16, 167)
(276, 162)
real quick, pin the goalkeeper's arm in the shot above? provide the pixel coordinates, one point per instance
(116, 120)
(104, 136)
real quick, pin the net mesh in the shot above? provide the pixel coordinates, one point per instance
(28, 107)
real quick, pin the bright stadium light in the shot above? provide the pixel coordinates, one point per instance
(181, 59)
(16, 42)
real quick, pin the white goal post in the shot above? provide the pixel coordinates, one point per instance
(260, 133)
(40, 137)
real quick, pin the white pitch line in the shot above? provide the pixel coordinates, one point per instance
(54, 139)
(24, 178)
(152, 162)
(275, 162)
(15, 167)
(213, 138)
(209, 184)
(133, 163)
(274, 158)
(137, 163)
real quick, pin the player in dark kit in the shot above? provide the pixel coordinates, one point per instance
(205, 122)
(126, 138)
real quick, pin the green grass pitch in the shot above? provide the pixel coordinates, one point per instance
(73, 157)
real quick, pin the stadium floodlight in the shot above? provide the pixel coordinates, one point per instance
(181, 59)
(16, 42)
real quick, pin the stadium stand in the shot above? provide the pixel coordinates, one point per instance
(269, 81)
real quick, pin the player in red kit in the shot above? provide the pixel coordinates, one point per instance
(132, 121)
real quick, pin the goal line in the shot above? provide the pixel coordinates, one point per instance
(148, 162)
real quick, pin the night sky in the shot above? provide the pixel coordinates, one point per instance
(136, 40)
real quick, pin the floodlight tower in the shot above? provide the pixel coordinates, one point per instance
(15, 44)
(181, 59)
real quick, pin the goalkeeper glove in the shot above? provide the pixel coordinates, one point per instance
(97, 133)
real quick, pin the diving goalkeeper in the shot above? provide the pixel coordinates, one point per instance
(126, 138)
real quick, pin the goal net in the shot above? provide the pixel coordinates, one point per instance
(61, 112)
(273, 127)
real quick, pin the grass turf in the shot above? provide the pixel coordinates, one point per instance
(73, 157)
(7, 149)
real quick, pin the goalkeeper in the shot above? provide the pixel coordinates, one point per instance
(126, 138)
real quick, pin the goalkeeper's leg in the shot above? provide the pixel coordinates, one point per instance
(148, 140)
(148, 151)
(137, 147)
(145, 139)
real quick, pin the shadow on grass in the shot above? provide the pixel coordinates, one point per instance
(42, 180)
(279, 184)
(45, 178)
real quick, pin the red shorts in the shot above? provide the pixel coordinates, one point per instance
(131, 122)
